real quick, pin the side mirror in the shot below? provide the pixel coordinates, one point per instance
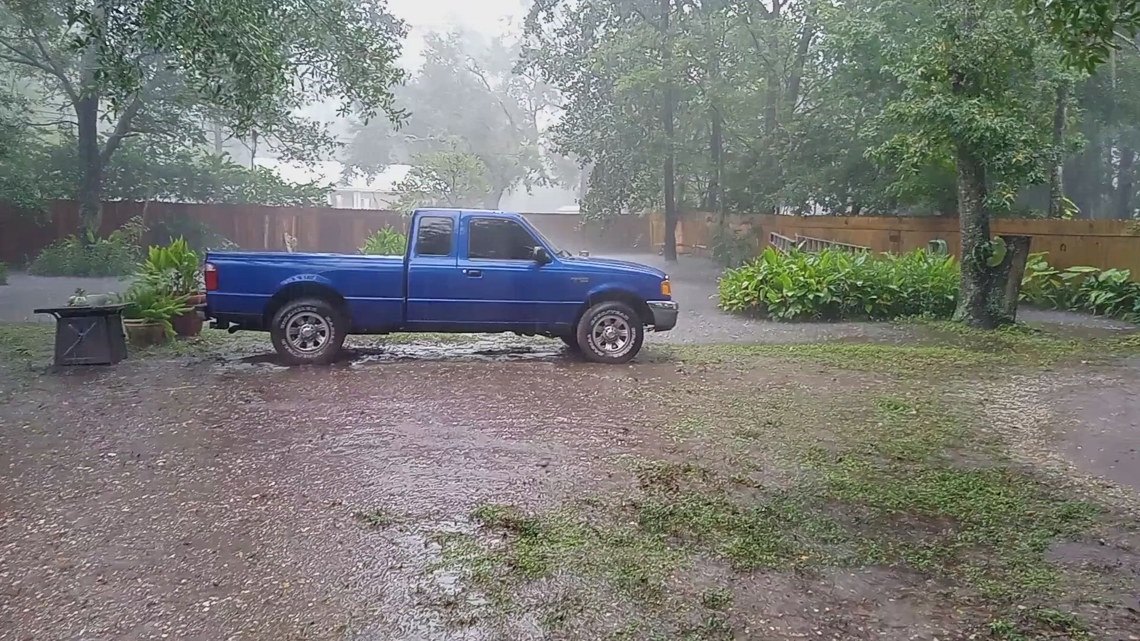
(584, 254)
(541, 256)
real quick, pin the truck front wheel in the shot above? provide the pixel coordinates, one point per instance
(610, 332)
(308, 331)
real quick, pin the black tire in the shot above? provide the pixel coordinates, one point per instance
(324, 319)
(596, 348)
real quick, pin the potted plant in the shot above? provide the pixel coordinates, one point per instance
(175, 269)
(147, 317)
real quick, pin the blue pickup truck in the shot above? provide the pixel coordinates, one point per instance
(463, 271)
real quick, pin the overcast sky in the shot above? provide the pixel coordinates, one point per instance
(485, 16)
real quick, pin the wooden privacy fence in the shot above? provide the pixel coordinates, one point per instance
(1098, 243)
(253, 227)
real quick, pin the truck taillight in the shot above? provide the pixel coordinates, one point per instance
(211, 277)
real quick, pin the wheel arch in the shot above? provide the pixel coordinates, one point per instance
(305, 289)
(617, 295)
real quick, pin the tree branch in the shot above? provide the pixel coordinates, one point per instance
(58, 70)
(122, 128)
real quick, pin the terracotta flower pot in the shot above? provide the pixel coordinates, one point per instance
(190, 323)
(143, 334)
(187, 324)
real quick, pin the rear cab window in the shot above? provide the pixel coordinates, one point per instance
(435, 236)
(499, 239)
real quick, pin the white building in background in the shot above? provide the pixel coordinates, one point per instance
(358, 192)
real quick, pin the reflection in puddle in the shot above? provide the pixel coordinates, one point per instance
(371, 352)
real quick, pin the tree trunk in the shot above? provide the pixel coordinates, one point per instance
(1012, 270)
(981, 293)
(1057, 170)
(1125, 185)
(90, 159)
(713, 197)
(667, 109)
(494, 198)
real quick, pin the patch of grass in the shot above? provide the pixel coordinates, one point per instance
(540, 545)
(719, 599)
(949, 348)
(26, 342)
(1039, 624)
(376, 518)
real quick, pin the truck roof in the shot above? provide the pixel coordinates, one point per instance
(464, 212)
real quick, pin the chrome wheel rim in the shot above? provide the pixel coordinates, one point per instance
(611, 334)
(307, 332)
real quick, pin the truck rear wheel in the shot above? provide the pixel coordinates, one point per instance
(308, 331)
(610, 332)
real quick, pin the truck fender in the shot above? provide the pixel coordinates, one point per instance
(611, 292)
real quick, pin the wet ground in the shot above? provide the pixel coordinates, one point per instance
(203, 496)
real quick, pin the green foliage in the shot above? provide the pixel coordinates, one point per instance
(835, 284)
(1109, 292)
(443, 179)
(88, 255)
(247, 57)
(465, 98)
(153, 304)
(385, 242)
(175, 269)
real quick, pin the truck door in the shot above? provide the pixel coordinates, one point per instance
(432, 285)
(502, 278)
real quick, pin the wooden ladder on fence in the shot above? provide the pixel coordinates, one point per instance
(809, 244)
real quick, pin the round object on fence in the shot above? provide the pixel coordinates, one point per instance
(938, 246)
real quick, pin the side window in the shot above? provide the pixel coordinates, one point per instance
(435, 236)
(499, 239)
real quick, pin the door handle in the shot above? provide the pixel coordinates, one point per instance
(473, 273)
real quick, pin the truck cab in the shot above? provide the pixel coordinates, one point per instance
(463, 271)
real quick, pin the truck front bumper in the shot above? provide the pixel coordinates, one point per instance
(664, 314)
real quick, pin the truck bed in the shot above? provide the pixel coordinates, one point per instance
(373, 287)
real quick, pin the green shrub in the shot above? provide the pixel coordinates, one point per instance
(116, 255)
(1109, 292)
(145, 302)
(175, 268)
(385, 242)
(835, 284)
(3, 274)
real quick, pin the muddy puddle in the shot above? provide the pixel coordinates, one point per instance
(475, 349)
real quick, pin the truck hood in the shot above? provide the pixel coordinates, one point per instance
(612, 263)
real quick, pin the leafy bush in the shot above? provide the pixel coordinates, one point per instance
(1109, 292)
(116, 255)
(835, 284)
(385, 242)
(153, 305)
(174, 268)
(3, 274)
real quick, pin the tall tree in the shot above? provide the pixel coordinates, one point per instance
(467, 98)
(123, 69)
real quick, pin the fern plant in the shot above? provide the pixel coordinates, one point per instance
(385, 242)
